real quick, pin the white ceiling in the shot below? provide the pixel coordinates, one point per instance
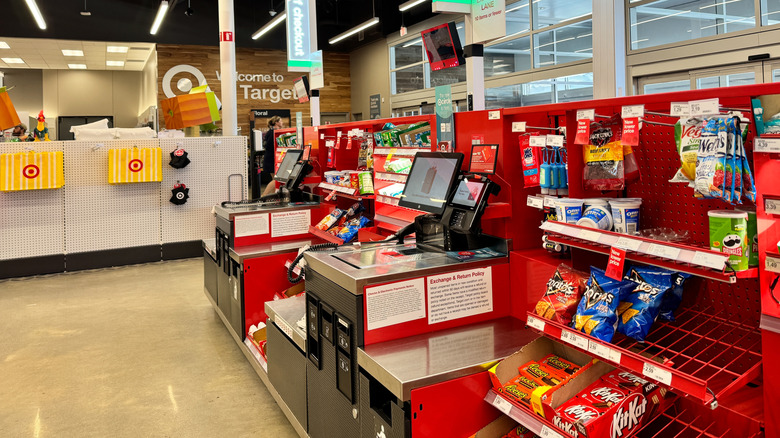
(47, 54)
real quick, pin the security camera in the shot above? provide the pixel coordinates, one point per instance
(188, 12)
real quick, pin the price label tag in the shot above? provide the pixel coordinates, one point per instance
(536, 323)
(329, 143)
(772, 265)
(555, 140)
(705, 107)
(549, 433)
(322, 136)
(518, 126)
(767, 145)
(626, 243)
(494, 115)
(667, 252)
(656, 373)
(587, 114)
(680, 109)
(553, 227)
(629, 111)
(549, 201)
(535, 202)
(713, 261)
(604, 352)
(502, 405)
(772, 206)
(592, 236)
(538, 141)
(574, 339)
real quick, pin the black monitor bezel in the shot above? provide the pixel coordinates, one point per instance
(477, 201)
(299, 152)
(428, 208)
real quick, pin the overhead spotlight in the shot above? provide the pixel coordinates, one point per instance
(188, 12)
(272, 13)
(85, 12)
(158, 19)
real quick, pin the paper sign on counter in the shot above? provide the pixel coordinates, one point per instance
(251, 225)
(290, 223)
(459, 294)
(395, 303)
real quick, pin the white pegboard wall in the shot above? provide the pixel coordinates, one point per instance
(212, 159)
(31, 221)
(101, 216)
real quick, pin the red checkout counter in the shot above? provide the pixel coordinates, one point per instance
(392, 332)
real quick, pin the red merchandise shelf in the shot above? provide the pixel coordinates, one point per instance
(400, 151)
(702, 354)
(524, 416)
(325, 236)
(340, 189)
(693, 260)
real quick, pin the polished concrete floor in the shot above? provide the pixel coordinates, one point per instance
(125, 352)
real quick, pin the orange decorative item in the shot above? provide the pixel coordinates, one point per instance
(186, 110)
(8, 116)
(41, 132)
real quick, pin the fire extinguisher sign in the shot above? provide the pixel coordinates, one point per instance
(226, 37)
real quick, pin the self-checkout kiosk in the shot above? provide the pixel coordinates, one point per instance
(392, 325)
(255, 238)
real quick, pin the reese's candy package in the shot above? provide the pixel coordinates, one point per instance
(520, 389)
(563, 292)
(597, 312)
(638, 310)
(520, 431)
(558, 363)
(575, 414)
(542, 375)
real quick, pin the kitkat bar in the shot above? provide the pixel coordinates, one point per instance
(633, 383)
(575, 415)
(542, 375)
(604, 394)
(558, 363)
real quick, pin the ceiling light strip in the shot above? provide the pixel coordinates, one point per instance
(36, 13)
(372, 22)
(159, 18)
(410, 4)
(270, 25)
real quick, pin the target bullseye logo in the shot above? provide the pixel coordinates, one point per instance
(135, 165)
(180, 195)
(179, 152)
(31, 171)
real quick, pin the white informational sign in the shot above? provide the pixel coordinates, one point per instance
(459, 294)
(489, 20)
(251, 225)
(290, 223)
(395, 303)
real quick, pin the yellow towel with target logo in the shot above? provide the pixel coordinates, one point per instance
(136, 165)
(31, 171)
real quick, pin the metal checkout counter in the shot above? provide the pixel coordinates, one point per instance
(393, 330)
(245, 263)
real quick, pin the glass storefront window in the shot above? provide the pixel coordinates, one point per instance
(407, 53)
(408, 79)
(451, 75)
(731, 80)
(552, 12)
(564, 44)
(518, 18)
(672, 21)
(563, 89)
(770, 12)
(667, 87)
(508, 57)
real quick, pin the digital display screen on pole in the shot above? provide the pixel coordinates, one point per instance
(483, 158)
(442, 45)
(301, 87)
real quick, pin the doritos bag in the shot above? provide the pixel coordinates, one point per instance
(561, 295)
(597, 312)
(638, 310)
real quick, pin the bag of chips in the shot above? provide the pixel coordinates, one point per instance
(638, 310)
(733, 163)
(350, 229)
(562, 294)
(710, 162)
(330, 220)
(532, 160)
(604, 166)
(597, 312)
(687, 135)
(672, 298)
(748, 183)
